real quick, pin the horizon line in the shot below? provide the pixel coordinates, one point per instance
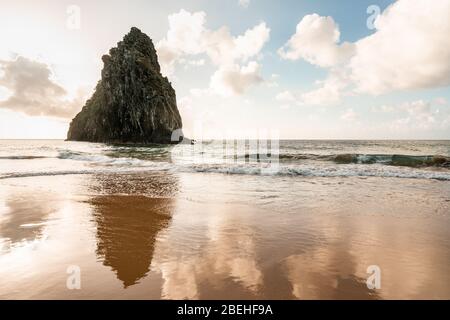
(282, 139)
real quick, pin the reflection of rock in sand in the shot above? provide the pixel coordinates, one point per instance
(129, 211)
(126, 230)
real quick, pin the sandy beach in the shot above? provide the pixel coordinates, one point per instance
(160, 235)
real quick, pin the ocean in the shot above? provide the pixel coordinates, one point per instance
(289, 219)
(401, 159)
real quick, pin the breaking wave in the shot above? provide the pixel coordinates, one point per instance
(42, 174)
(304, 171)
(326, 171)
(21, 157)
(291, 164)
(395, 160)
(387, 159)
(99, 159)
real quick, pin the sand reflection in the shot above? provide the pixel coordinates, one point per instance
(324, 274)
(23, 217)
(128, 224)
(207, 253)
(151, 236)
(126, 230)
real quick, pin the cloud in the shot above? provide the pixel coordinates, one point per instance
(223, 48)
(273, 81)
(410, 49)
(199, 62)
(185, 36)
(32, 90)
(286, 96)
(384, 109)
(419, 113)
(328, 92)
(416, 115)
(316, 40)
(349, 115)
(244, 3)
(188, 36)
(232, 79)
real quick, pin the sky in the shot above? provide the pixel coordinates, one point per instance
(299, 69)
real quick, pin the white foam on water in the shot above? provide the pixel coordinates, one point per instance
(326, 171)
(96, 158)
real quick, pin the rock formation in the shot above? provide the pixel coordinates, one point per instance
(132, 102)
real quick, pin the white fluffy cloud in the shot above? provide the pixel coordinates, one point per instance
(33, 91)
(185, 36)
(223, 48)
(188, 36)
(410, 49)
(233, 79)
(316, 40)
(328, 92)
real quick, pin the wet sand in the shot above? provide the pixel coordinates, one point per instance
(212, 236)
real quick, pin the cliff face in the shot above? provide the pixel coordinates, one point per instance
(132, 102)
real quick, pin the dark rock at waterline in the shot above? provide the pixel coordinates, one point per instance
(133, 102)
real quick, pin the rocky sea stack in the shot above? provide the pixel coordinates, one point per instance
(132, 102)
